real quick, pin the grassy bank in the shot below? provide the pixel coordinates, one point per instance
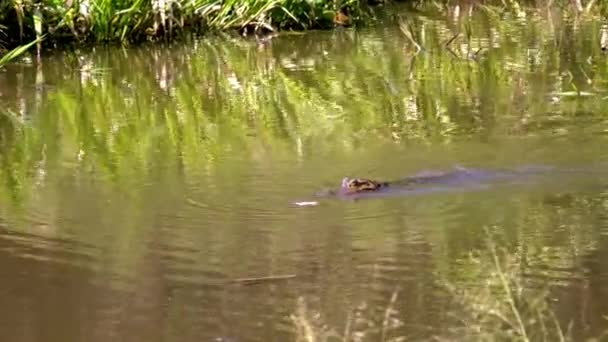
(132, 21)
(95, 21)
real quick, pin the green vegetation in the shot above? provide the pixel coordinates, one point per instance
(129, 21)
(94, 21)
(7, 56)
(15, 53)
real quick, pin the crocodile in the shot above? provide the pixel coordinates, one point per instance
(456, 179)
(424, 181)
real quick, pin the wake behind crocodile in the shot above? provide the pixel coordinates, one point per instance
(457, 179)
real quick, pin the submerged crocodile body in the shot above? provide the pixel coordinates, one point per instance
(457, 179)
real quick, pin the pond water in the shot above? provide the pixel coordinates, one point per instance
(140, 185)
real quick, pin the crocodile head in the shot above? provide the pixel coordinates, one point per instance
(356, 185)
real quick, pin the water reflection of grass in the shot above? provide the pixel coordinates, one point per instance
(305, 94)
(496, 304)
(350, 87)
(535, 287)
(501, 307)
(309, 325)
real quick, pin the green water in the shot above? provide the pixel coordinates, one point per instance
(136, 184)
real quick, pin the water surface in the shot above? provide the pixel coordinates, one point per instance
(137, 184)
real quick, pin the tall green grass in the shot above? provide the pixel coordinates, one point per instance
(15, 53)
(138, 20)
(94, 21)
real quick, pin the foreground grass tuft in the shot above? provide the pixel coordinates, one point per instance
(502, 307)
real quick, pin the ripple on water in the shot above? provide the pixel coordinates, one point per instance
(48, 250)
(56, 281)
(199, 281)
(405, 211)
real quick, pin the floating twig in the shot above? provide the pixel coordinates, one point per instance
(447, 44)
(255, 280)
(476, 54)
(195, 203)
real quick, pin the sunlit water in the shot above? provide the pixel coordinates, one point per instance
(139, 185)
